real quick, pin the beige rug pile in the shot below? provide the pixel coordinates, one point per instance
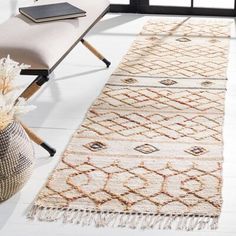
(149, 152)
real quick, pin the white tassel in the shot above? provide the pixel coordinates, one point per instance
(188, 222)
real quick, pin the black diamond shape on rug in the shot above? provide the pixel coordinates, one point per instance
(146, 149)
(96, 146)
(168, 82)
(196, 150)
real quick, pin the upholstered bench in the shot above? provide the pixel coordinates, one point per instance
(44, 45)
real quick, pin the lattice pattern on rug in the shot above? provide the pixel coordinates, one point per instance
(185, 127)
(149, 152)
(213, 29)
(161, 57)
(163, 99)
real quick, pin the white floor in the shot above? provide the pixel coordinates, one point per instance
(62, 105)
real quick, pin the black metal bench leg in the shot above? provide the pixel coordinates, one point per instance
(39, 141)
(26, 94)
(95, 52)
(34, 87)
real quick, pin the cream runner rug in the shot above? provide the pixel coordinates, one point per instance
(149, 152)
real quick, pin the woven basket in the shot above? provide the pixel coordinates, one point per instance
(16, 160)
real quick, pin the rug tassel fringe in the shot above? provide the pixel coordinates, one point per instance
(188, 222)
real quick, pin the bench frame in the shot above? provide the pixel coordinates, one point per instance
(43, 77)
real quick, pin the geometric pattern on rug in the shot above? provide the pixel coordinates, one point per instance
(141, 184)
(211, 101)
(149, 125)
(188, 27)
(203, 54)
(149, 151)
(156, 57)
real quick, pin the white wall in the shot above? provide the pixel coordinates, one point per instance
(10, 7)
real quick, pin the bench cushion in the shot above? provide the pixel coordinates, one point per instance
(43, 45)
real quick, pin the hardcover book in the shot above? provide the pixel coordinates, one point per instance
(50, 12)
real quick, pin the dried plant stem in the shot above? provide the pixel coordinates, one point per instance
(9, 108)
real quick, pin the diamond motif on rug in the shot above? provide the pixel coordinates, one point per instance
(168, 82)
(130, 81)
(95, 146)
(183, 40)
(146, 149)
(207, 83)
(213, 41)
(196, 150)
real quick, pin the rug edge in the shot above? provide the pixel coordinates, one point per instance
(132, 220)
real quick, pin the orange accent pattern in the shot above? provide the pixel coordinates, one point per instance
(151, 145)
(162, 99)
(160, 57)
(149, 125)
(179, 48)
(151, 186)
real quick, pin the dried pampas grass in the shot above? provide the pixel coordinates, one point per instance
(10, 106)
